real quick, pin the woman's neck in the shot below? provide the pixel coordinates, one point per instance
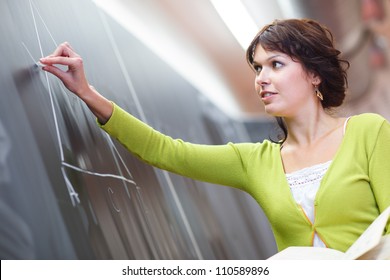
(306, 130)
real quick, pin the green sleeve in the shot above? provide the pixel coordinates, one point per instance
(379, 169)
(219, 164)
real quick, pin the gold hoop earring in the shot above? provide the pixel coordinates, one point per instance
(318, 93)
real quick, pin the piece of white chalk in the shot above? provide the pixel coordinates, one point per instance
(39, 64)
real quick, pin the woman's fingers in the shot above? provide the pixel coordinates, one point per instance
(55, 71)
(73, 77)
(64, 49)
(72, 62)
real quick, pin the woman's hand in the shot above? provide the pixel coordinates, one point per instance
(75, 80)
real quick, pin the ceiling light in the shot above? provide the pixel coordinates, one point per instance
(237, 19)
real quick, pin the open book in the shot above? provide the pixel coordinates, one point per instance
(371, 245)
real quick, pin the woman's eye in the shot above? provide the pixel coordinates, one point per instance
(257, 68)
(277, 64)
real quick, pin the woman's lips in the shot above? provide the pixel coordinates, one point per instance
(266, 94)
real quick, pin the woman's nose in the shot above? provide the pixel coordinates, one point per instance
(262, 78)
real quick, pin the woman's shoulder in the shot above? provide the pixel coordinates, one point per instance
(367, 126)
(369, 118)
(265, 147)
(367, 121)
(263, 144)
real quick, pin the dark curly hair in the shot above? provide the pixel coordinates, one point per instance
(312, 44)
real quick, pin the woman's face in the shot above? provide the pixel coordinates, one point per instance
(282, 83)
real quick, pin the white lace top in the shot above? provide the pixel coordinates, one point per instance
(304, 185)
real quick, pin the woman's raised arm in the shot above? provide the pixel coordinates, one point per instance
(216, 164)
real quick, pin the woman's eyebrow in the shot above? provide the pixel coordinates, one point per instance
(268, 59)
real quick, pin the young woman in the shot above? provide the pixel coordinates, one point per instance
(321, 184)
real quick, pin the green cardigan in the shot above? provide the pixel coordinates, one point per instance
(355, 189)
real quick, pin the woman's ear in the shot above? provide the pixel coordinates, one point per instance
(315, 78)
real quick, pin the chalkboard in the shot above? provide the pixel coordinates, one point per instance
(68, 191)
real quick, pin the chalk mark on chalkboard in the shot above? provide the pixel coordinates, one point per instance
(110, 193)
(97, 174)
(28, 51)
(73, 194)
(44, 23)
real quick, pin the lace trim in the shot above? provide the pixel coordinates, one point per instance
(309, 175)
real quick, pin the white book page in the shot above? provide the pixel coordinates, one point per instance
(370, 237)
(308, 253)
(380, 252)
